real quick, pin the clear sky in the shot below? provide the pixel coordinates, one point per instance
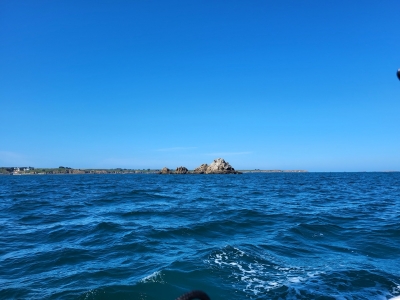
(147, 84)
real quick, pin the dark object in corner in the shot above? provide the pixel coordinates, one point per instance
(398, 74)
(194, 295)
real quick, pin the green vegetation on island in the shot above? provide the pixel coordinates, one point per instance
(67, 170)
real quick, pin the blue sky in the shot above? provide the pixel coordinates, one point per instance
(147, 84)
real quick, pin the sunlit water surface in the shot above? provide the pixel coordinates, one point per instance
(250, 236)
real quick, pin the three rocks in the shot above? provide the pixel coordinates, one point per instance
(218, 166)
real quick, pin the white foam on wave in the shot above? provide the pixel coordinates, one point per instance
(257, 275)
(153, 277)
(396, 292)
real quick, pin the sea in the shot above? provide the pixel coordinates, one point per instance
(250, 236)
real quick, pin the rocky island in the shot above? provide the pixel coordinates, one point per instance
(218, 166)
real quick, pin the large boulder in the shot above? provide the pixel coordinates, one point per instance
(165, 170)
(201, 170)
(181, 170)
(220, 166)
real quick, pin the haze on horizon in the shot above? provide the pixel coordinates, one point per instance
(148, 84)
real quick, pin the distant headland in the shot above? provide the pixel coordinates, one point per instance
(218, 166)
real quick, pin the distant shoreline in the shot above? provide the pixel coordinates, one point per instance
(70, 171)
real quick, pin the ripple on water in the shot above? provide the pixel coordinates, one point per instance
(255, 236)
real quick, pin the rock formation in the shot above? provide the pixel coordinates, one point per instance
(181, 170)
(201, 170)
(165, 170)
(220, 166)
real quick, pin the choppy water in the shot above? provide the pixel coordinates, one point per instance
(250, 236)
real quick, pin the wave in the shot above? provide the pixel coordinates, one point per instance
(256, 236)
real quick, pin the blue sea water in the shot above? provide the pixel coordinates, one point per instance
(250, 236)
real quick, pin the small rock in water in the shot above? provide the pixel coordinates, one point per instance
(165, 170)
(181, 170)
(201, 170)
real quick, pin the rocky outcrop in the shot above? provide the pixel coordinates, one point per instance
(201, 170)
(220, 166)
(165, 170)
(181, 170)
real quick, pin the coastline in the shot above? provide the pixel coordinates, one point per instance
(58, 171)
